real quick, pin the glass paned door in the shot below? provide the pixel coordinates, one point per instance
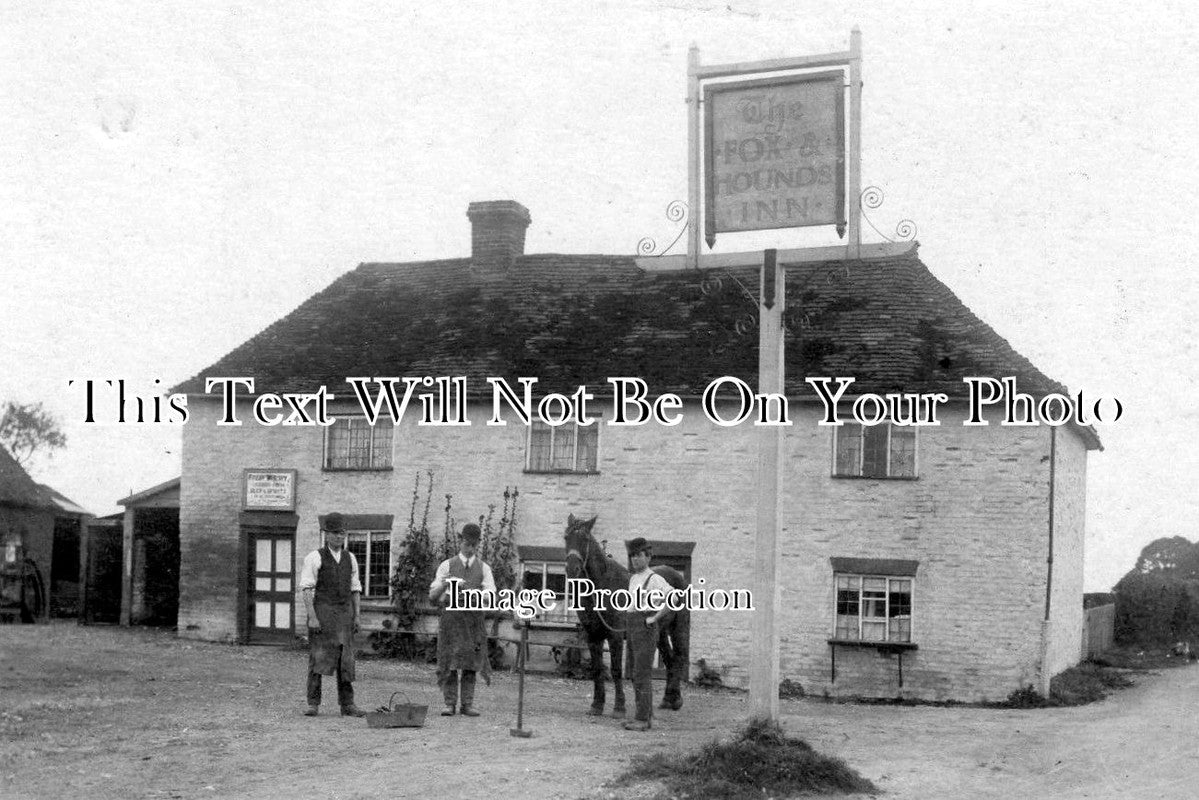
(272, 586)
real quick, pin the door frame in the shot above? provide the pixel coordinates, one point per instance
(276, 525)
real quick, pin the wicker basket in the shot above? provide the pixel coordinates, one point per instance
(397, 715)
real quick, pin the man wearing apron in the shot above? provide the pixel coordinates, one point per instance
(462, 635)
(642, 629)
(331, 589)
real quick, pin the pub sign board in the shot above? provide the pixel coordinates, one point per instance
(774, 153)
(269, 490)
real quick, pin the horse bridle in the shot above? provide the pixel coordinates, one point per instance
(584, 572)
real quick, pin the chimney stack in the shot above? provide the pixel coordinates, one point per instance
(497, 233)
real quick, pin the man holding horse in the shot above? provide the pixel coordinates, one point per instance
(642, 628)
(462, 634)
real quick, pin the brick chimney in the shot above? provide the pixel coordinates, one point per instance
(497, 233)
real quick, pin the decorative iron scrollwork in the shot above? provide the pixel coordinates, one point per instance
(713, 283)
(872, 199)
(796, 320)
(675, 212)
(746, 324)
(796, 317)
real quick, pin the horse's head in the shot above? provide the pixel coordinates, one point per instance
(579, 544)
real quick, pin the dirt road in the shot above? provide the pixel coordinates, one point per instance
(121, 713)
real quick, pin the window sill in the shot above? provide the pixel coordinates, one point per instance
(882, 647)
(551, 626)
(561, 471)
(378, 604)
(356, 469)
(876, 477)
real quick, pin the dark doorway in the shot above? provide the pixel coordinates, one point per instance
(156, 567)
(104, 556)
(64, 568)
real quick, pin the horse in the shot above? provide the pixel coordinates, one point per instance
(586, 559)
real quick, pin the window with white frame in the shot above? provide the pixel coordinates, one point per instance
(539, 575)
(873, 608)
(353, 443)
(569, 447)
(372, 549)
(874, 451)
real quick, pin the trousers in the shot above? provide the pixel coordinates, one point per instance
(345, 686)
(643, 640)
(448, 680)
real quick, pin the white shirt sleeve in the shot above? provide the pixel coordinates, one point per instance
(648, 584)
(312, 565)
(488, 578)
(659, 583)
(355, 581)
(443, 572)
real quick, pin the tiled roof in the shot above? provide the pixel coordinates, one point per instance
(62, 502)
(572, 319)
(145, 494)
(17, 488)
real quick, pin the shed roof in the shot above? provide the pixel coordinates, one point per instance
(149, 494)
(62, 502)
(17, 489)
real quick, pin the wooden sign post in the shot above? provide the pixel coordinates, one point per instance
(768, 151)
(764, 660)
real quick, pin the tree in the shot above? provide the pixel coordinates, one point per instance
(27, 428)
(1174, 556)
(1157, 602)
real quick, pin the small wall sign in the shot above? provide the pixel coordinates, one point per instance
(269, 490)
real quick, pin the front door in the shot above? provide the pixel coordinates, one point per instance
(272, 586)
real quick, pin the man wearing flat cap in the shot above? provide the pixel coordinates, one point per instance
(641, 623)
(331, 589)
(462, 634)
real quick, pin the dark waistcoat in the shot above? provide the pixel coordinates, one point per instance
(333, 579)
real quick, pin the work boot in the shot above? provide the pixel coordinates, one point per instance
(312, 711)
(448, 711)
(637, 725)
(352, 711)
(468, 711)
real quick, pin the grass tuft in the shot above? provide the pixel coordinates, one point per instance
(1079, 685)
(1085, 683)
(760, 761)
(1144, 659)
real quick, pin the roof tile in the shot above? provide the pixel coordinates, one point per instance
(888, 322)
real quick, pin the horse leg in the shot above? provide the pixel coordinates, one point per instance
(596, 649)
(616, 651)
(670, 661)
(680, 646)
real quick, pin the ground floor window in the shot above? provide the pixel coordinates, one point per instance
(372, 549)
(539, 575)
(873, 608)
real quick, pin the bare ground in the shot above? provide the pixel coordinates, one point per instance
(127, 713)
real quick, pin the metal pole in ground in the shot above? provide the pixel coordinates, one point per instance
(519, 730)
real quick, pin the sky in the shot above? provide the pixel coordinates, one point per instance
(174, 179)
